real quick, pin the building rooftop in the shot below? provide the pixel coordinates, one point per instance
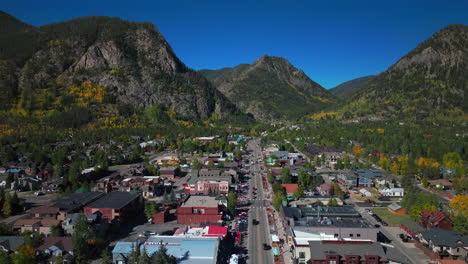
(115, 200)
(193, 250)
(290, 188)
(200, 201)
(11, 242)
(441, 237)
(75, 201)
(63, 243)
(300, 212)
(333, 222)
(320, 249)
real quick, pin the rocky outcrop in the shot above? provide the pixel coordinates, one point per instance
(132, 61)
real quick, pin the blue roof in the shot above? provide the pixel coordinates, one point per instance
(123, 247)
(187, 250)
(14, 170)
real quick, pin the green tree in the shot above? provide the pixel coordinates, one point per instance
(32, 239)
(144, 258)
(105, 257)
(81, 234)
(231, 202)
(278, 198)
(299, 192)
(303, 179)
(15, 203)
(56, 231)
(318, 161)
(286, 176)
(7, 205)
(332, 201)
(270, 177)
(5, 257)
(161, 257)
(425, 181)
(150, 209)
(9, 180)
(24, 254)
(338, 191)
(347, 162)
(211, 164)
(460, 223)
(134, 256)
(339, 164)
(452, 160)
(196, 164)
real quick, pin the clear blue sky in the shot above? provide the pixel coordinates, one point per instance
(332, 41)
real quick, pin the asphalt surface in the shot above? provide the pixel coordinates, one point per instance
(415, 255)
(258, 234)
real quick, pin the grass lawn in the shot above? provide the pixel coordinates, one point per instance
(389, 218)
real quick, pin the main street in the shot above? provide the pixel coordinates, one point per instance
(258, 234)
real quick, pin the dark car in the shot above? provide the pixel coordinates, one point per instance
(255, 222)
(266, 247)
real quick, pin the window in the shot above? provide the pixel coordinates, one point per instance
(358, 235)
(195, 211)
(336, 235)
(351, 235)
(332, 262)
(301, 255)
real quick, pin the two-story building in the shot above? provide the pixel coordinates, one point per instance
(117, 206)
(337, 252)
(200, 209)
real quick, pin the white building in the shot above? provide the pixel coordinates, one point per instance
(393, 192)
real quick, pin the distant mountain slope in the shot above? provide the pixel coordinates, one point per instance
(431, 81)
(58, 65)
(270, 88)
(348, 89)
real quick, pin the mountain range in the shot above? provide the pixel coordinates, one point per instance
(93, 61)
(270, 89)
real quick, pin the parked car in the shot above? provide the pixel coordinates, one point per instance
(255, 222)
(147, 234)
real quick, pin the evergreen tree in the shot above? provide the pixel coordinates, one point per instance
(15, 203)
(134, 256)
(105, 257)
(286, 176)
(161, 257)
(9, 180)
(7, 204)
(232, 202)
(5, 257)
(144, 258)
(81, 234)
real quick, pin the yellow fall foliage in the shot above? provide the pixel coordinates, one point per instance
(427, 162)
(321, 115)
(459, 204)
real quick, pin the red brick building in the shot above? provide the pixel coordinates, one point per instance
(169, 172)
(118, 206)
(200, 209)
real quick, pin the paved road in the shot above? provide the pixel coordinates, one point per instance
(258, 234)
(415, 255)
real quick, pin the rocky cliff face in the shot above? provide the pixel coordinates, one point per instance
(271, 88)
(132, 61)
(430, 81)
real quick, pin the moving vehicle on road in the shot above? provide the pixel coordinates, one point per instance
(266, 247)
